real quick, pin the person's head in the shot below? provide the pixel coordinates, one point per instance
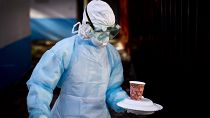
(100, 14)
(99, 22)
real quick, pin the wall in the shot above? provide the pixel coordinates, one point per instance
(52, 19)
(14, 21)
(15, 51)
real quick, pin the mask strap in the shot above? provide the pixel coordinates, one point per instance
(73, 29)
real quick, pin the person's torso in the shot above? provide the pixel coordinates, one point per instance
(83, 93)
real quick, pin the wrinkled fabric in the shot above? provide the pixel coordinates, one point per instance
(90, 78)
(85, 31)
(100, 13)
(42, 116)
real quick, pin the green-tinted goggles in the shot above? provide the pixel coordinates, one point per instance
(110, 31)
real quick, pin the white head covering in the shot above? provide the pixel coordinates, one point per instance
(100, 14)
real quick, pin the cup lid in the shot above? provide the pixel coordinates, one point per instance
(137, 82)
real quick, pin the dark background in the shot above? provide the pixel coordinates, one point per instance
(170, 52)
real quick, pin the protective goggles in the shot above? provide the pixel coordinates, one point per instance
(110, 31)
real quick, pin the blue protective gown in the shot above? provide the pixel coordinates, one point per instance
(90, 78)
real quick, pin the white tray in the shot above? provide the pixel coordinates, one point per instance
(144, 104)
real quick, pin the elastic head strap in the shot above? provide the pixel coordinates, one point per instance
(89, 21)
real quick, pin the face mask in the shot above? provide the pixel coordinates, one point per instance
(100, 39)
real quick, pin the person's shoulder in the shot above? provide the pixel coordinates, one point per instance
(111, 48)
(64, 44)
(67, 40)
(113, 52)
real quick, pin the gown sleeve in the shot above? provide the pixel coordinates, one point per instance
(42, 83)
(46, 76)
(115, 93)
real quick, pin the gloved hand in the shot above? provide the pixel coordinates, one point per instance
(137, 112)
(42, 116)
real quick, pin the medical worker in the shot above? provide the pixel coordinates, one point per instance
(85, 66)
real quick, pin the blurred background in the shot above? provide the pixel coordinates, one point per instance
(164, 43)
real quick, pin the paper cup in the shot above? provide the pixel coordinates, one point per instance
(136, 90)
